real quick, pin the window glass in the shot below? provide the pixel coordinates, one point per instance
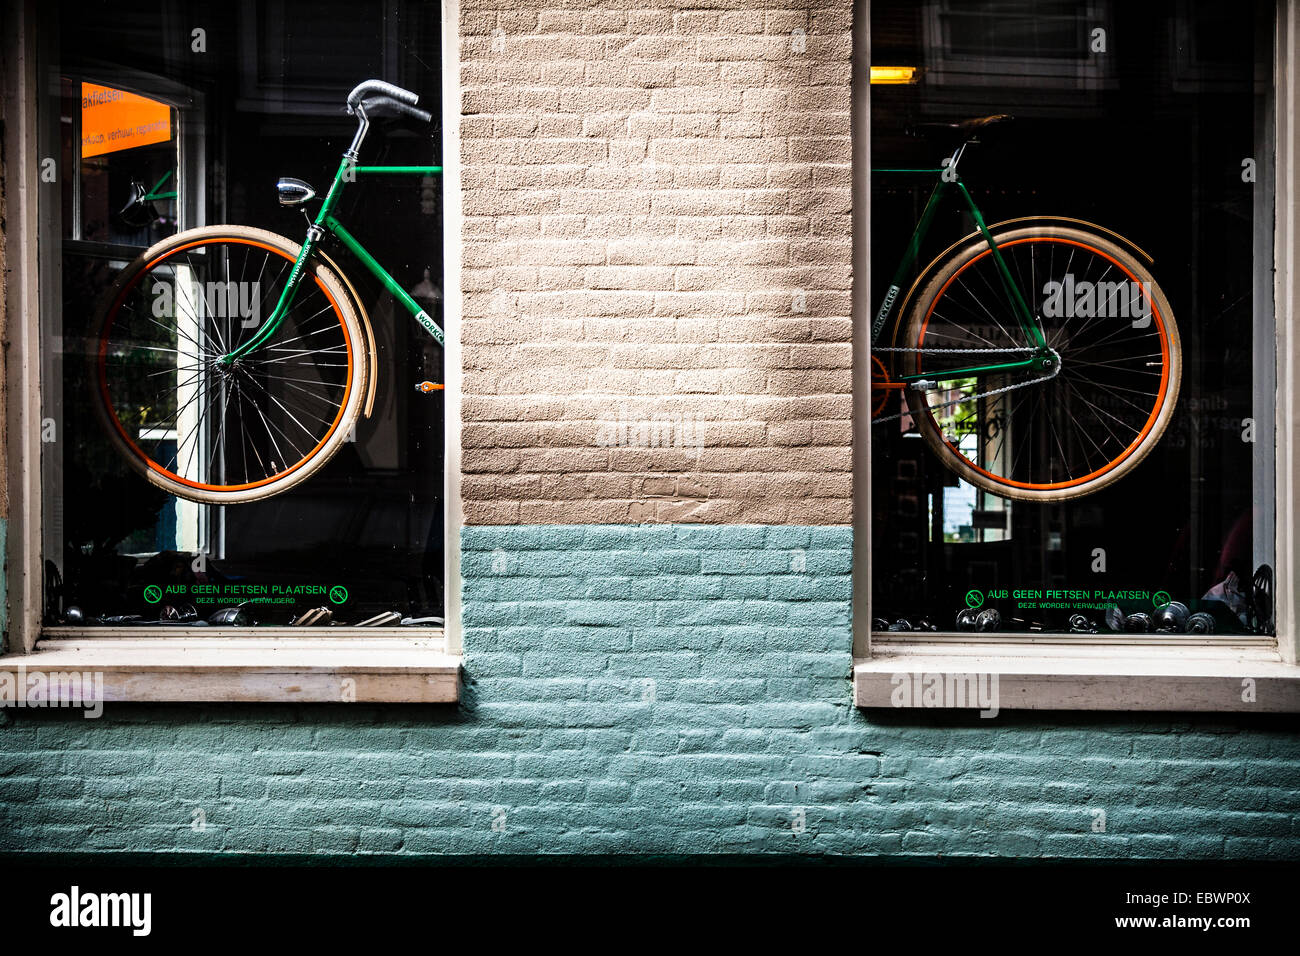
(1073, 381)
(187, 119)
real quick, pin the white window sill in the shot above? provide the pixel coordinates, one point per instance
(1086, 677)
(278, 665)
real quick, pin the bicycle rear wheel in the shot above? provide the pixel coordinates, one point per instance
(226, 433)
(1031, 434)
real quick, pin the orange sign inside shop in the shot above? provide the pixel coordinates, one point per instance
(113, 120)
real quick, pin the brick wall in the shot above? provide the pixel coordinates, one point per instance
(672, 690)
(656, 265)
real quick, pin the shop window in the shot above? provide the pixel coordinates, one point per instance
(1073, 408)
(188, 119)
(972, 44)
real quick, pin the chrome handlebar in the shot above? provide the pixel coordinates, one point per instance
(371, 88)
(374, 94)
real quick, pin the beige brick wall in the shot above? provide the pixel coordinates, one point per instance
(656, 265)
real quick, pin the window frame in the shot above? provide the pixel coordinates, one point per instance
(1107, 672)
(205, 664)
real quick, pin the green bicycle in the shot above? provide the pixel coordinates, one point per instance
(1038, 357)
(231, 362)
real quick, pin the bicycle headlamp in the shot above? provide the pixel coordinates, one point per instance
(293, 192)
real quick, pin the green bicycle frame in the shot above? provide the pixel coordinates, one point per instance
(154, 194)
(325, 222)
(1024, 316)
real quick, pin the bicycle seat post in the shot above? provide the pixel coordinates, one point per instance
(956, 156)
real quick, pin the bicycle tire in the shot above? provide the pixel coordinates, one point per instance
(353, 381)
(939, 293)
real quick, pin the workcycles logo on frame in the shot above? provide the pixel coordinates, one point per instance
(22, 688)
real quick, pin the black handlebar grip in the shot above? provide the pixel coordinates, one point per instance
(375, 105)
(380, 88)
(421, 115)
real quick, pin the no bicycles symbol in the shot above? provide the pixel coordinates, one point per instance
(974, 598)
(153, 594)
(338, 594)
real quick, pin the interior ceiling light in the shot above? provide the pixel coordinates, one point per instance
(893, 74)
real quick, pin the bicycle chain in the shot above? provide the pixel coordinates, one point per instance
(964, 398)
(954, 351)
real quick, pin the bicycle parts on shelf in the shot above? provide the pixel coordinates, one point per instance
(1172, 617)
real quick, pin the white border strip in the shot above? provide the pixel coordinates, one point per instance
(451, 312)
(22, 365)
(860, 126)
(1098, 678)
(1287, 195)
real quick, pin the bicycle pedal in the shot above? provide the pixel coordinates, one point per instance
(923, 385)
(430, 387)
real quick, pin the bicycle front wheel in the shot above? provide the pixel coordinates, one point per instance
(226, 432)
(1043, 434)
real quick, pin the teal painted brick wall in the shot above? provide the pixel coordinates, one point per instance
(4, 584)
(650, 689)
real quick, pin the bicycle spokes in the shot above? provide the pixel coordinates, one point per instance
(1044, 426)
(189, 412)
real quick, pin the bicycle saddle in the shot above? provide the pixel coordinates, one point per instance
(138, 212)
(981, 122)
(972, 125)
